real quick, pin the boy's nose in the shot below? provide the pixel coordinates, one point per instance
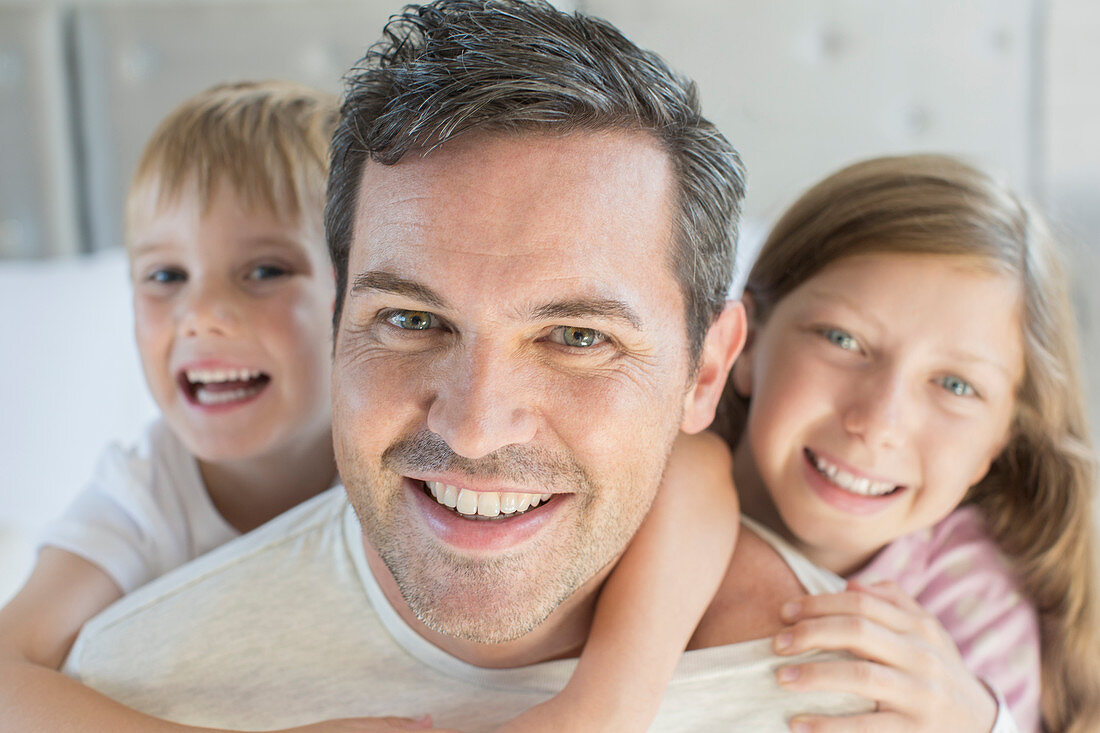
(480, 405)
(208, 311)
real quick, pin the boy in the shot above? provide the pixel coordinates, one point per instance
(233, 296)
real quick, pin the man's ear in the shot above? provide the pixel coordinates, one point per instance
(721, 346)
(741, 374)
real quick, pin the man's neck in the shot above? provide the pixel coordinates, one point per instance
(561, 635)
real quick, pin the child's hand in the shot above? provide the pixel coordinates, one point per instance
(906, 663)
(388, 724)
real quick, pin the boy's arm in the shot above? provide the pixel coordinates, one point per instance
(37, 629)
(653, 600)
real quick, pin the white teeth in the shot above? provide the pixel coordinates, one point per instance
(450, 496)
(488, 504)
(483, 503)
(848, 482)
(467, 502)
(215, 376)
(207, 397)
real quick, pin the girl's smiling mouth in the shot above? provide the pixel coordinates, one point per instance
(847, 481)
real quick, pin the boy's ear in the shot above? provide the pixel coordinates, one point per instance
(721, 346)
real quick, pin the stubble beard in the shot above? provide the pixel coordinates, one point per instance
(488, 600)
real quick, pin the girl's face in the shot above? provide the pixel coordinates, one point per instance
(880, 391)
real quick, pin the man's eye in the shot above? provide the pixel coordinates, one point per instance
(166, 275)
(957, 386)
(580, 338)
(267, 272)
(841, 338)
(413, 320)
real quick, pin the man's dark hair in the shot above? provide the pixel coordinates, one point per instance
(516, 66)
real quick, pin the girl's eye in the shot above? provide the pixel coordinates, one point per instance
(166, 275)
(957, 386)
(267, 272)
(413, 320)
(841, 338)
(580, 338)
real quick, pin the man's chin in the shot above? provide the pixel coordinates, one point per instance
(483, 602)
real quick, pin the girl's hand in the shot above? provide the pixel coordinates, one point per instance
(906, 663)
(388, 724)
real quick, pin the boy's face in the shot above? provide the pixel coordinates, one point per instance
(232, 311)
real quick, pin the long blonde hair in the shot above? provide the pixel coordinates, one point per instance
(1037, 496)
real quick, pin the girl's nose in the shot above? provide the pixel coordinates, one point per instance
(877, 410)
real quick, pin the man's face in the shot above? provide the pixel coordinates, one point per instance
(513, 342)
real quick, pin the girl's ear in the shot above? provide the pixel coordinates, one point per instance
(741, 375)
(1010, 435)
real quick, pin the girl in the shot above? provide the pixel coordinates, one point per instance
(908, 408)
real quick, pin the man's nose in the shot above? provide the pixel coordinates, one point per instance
(877, 409)
(481, 403)
(209, 309)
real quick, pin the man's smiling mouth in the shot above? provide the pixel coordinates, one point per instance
(483, 504)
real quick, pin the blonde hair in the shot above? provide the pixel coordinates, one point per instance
(267, 139)
(1037, 496)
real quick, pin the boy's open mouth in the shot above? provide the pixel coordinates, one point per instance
(488, 505)
(221, 386)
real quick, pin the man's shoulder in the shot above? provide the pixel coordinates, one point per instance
(747, 603)
(311, 516)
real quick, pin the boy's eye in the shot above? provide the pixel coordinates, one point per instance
(957, 386)
(166, 275)
(841, 338)
(413, 320)
(580, 338)
(266, 272)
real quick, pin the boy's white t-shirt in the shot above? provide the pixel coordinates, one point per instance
(144, 512)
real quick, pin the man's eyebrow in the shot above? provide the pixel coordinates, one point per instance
(589, 308)
(389, 283)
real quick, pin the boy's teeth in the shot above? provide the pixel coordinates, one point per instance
(483, 503)
(848, 482)
(214, 376)
(209, 397)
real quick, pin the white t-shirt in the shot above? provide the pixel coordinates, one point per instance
(144, 512)
(287, 626)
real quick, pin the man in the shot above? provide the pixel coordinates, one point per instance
(532, 230)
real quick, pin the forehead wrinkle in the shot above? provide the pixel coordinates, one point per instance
(387, 282)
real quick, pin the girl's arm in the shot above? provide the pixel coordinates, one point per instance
(37, 629)
(653, 600)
